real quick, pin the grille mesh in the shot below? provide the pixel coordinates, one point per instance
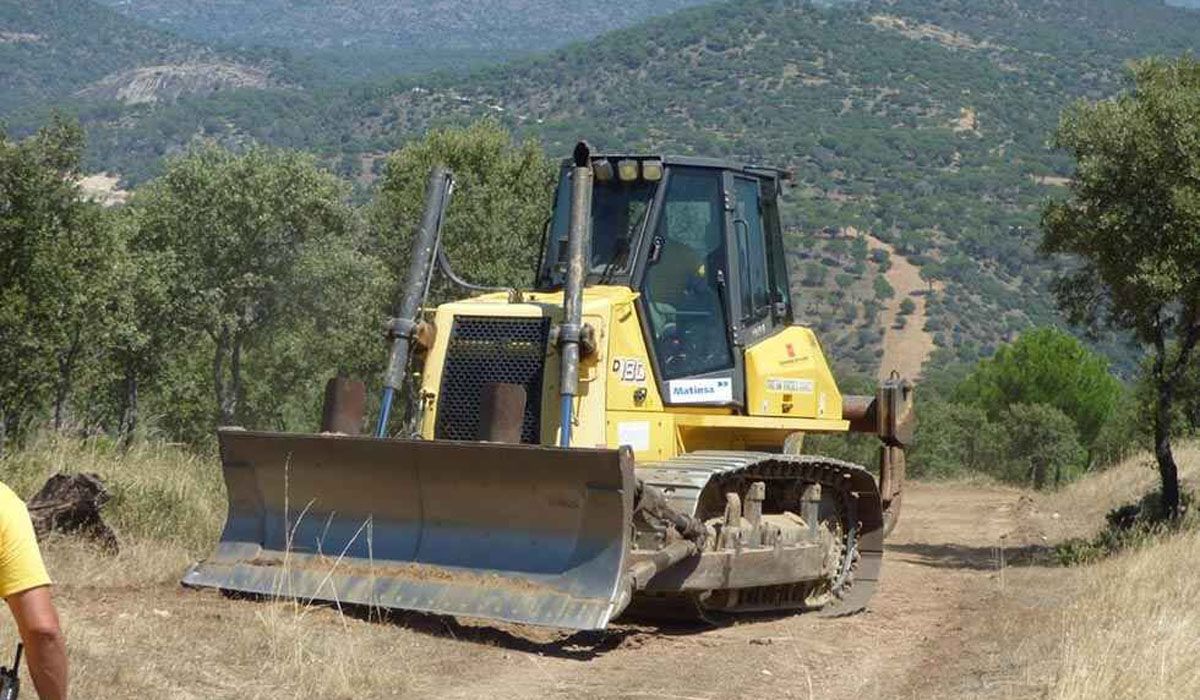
(483, 350)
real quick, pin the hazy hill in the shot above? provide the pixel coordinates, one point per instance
(356, 39)
(511, 25)
(922, 123)
(53, 49)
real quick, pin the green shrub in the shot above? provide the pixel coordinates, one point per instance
(953, 439)
(883, 290)
(1130, 526)
(1040, 446)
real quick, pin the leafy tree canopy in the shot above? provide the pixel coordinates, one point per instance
(498, 210)
(1046, 366)
(1132, 225)
(261, 245)
(56, 258)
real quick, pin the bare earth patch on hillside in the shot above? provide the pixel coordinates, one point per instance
(167, 83)
(1051, 180)
(906, 349)
(968, 121)
(920, 31)
(19, 38)
(104, 189)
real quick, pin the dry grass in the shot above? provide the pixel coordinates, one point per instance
(133, 632)
(168, 643)
(1082, 505)
(1126, 627)
(160, 493)
(1134, 631)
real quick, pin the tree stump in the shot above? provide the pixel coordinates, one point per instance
(71, 504)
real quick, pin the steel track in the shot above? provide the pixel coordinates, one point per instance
(696, 484)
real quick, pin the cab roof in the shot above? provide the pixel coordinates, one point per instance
(695, 162)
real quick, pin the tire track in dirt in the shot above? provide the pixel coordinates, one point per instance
(940, 578)
(940, 572)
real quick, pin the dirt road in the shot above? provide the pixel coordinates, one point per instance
(922, 637)
(942, 566)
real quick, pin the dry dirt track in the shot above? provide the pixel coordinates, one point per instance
(905, 349)
(941, 568)
(948, 622)
(921, 638)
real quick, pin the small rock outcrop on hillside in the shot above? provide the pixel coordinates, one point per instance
(167, 83)
(18, 37)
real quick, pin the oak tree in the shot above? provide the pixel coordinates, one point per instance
(1132, 225)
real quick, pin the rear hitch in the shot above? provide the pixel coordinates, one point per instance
(890, 416)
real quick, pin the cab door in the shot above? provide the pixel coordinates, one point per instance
(685, 299)
(751, 302)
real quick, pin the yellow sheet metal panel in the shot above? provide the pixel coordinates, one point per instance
(651, 436)
(787, 376)
(590, 404)
(694, 439)
(492, 305)
(630, 375)
(812, 425)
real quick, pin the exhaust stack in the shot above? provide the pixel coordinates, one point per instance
(579, 245)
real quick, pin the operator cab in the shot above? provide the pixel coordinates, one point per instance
(701, 240)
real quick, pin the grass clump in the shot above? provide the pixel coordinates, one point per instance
(1128, 527)
(160, 492)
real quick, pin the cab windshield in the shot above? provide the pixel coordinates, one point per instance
(619, 211)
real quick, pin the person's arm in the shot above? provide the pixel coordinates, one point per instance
(45, 646)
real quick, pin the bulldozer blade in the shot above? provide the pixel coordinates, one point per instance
(525, 534)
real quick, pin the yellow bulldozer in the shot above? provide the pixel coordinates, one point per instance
(625, 435)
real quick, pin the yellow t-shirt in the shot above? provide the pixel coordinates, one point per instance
(21, 566)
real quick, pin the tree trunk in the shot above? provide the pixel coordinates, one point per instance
(131, 424)
(225, 403)
(66, 370)
(1165, 382)
(129, 406)
(1039, 475)
(60, 398)
(234, 394)
(1167, 469)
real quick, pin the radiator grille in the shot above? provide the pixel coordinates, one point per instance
(484, 350)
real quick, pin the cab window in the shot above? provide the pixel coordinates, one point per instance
(781, 297)
(752, 251)
(682, 285)
(619, 211)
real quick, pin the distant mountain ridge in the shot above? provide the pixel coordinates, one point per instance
(923, 124)
(493, 25)
(50, 50)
